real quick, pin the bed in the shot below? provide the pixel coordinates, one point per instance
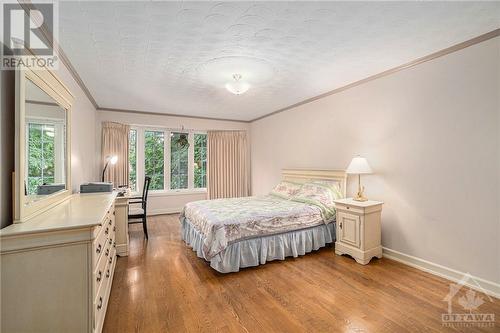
(243, 232)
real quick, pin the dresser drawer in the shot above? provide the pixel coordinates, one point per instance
(100, 304)
(99, 273)
(98, 246)
(110, 267)
(104, 289)
(106, 229)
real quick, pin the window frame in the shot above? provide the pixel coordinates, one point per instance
(59, 155)
(136, 158)
(206, 158)
(140, 166)
(143, 161)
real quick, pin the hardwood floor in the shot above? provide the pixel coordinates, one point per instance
(163, 287)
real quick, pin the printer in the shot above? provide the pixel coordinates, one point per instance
(94, 187)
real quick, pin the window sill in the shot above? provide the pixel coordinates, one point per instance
(166, 193)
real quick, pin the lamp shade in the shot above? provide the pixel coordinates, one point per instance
(359, 165)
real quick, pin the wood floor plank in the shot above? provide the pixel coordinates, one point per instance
(162, 286)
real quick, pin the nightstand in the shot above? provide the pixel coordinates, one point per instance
(358, 229)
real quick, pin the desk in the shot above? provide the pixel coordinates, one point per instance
(121, 218)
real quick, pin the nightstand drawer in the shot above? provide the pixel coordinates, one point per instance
(350, 208)
(348, 229)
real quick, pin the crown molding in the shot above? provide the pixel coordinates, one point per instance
(170, 115)
(27, 5)
(76, 77)
(432, 56)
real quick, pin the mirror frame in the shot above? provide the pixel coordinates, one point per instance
(47, 81)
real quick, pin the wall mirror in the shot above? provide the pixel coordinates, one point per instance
(42, 173)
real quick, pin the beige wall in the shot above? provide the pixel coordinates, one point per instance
(167, 202)
(431, 134)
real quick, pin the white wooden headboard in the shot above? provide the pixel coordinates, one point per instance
(306, 175)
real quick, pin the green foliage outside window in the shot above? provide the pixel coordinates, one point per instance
(154, 158)
(41, 157)
(132, 160)
(200, 160)
(178, 164)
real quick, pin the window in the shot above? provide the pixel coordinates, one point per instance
(132, 160)
(200, 161)
(41, 156)
(154, 161)
(178, 162)
(166, 157)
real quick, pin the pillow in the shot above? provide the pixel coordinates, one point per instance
(286, 190)
(319, 195)
(333, 185)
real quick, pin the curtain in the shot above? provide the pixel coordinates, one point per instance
(228, 164)
(115, 143)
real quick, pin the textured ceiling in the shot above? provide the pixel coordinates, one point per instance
(160, 56)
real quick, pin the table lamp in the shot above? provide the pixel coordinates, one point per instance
(358, 166)
(109, 159)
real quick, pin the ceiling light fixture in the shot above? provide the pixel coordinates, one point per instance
(237, 86)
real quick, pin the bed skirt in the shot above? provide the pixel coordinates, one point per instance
(257, 251)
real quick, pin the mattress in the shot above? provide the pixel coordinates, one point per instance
(222, 222)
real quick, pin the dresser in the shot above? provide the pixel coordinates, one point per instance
(57, 267)
(358, 229)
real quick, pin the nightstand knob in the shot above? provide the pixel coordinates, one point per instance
(347, 207)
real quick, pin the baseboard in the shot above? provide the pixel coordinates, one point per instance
(174, 210)
(489, 287)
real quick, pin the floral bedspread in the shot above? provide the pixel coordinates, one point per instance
(225, 221)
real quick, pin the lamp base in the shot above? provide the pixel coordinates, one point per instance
(358, 198)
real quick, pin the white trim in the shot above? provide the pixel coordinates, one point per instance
(167, 160)
(163, 211)
(490, 287)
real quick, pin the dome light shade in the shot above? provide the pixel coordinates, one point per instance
(237, 86)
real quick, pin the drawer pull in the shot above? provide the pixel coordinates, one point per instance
(107, 273)
(110, 241)
(347, 207)
(99, 276)
(113, 212)
(110, 222)
(106, 231)
(110, 260)
(98, 248)
(107, 252)
(340, 225)
(99, 306)
(114, 244)
(114, 228)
